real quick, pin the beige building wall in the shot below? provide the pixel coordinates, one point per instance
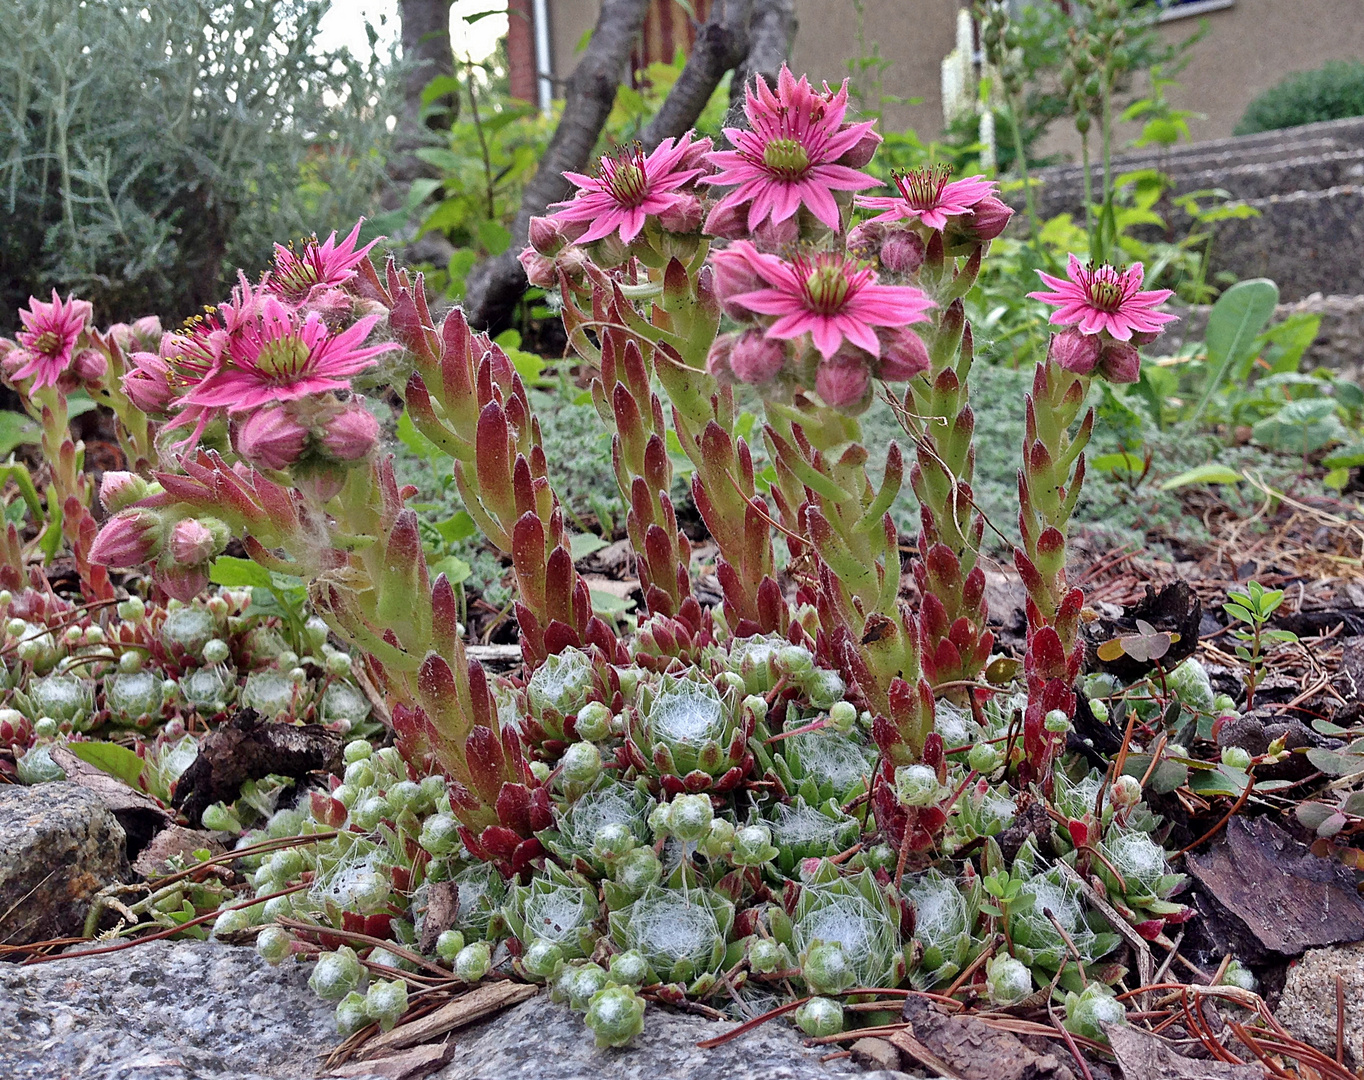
(1251, 45)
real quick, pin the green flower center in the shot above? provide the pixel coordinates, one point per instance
(282, 358)
(626, 178)
(787, 158)
(47, 342)
(922, 188)
(1106, 294)
(827, 286)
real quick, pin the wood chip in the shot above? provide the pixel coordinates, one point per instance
(413, 1064)
(903, 1040)
(478, 1004)
(876, 1054)
(1143, 1056)
(966, 1048)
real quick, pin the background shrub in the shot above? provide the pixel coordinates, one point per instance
(147, 149)
(1333, 92)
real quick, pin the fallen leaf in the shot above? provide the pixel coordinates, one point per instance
(1143, 1056)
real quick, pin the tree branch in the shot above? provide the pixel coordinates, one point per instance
(770, 33)
(496, 285)
(721, 45)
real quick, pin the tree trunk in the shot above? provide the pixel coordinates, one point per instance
(427, 55)
(496, 285)
(770, 33)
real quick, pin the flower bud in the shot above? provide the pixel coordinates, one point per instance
(449, 944)
(89, 365)
(984, 758)
(133, 609)
(717, 359)
(580, 766)
(1075, 351)
(844, 381)
(989, 217)
(756, 358)
(594, 722)
(1007, 980)
(764, 955)
(865, 239)
(820, 1016)
(271, 438)
(862, 151)
(916, 785)
(683, 216)
(733, 275)
(540, 270)
(192, 542)
(119, 490)
(902, 252)
(689, 817)
(1235, 757)
(542, 959)
(351, 435)
(336, 974)
(615, 1015)
(842, 716)
(273, 944)
(1120, 362)
(777, 235)
(903, 355)
(545, 235)
(826, 969)
(1125, 793)
(129, 538)
(728, 221)
(386, 1002)
(629, 968)
(473, 962)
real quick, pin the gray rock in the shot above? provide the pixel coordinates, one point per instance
(1308, 1005)
(58, 846)
(544, 1041)
(162, 1011)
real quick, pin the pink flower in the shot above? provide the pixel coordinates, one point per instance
(630, 187)
(1103, 298)
(48, 338)
(327, 263)
(278, 358)
(925, 194)
(830, 297)
(790, 153)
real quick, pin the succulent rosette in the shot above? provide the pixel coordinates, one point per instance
(681, 933)
(599, 827)
(558, 689)
(943, 921)
(690, 736)
(822, 764)
(801, 831)
(556, 908)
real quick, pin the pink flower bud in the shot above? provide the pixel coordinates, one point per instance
(1120, 362)
(756, 357)
(191, 542)
(271, 438)
(148, 383)
(122, 335)
(572, 261)
(865, 239)
(609, 251)
(778, 236)
(118, 490)
(717, 360)
(539, 268)
(989, 218)
(697, 156)
(129, 538)
(1145, 337)
(89, 365)
(734, 276)
(545, 235)
(903, 354)
(727, 221)
(335, 306)
(843, 381)
(147, 331)
(1075, 351)
(12, 357)
(863, 150)
(902, 252)
(183, 583)
(683, 216)
(351, 435)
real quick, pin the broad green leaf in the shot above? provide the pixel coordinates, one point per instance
(1203, 474)
(1236, 320)
(234, 573)
(457, 527)
(454, 568)
(1121, 462)
(494, 236)
(1312, 814)
(1301, 427)
(117, 761)
(581, 545)
(605, 603)
(1334, 764)
(16, 430)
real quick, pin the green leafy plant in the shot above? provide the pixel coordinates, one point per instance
(1332, 92)
(1255, 607)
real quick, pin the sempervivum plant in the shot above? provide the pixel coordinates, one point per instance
(787, 779)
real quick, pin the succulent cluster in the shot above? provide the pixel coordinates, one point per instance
(797, 789)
